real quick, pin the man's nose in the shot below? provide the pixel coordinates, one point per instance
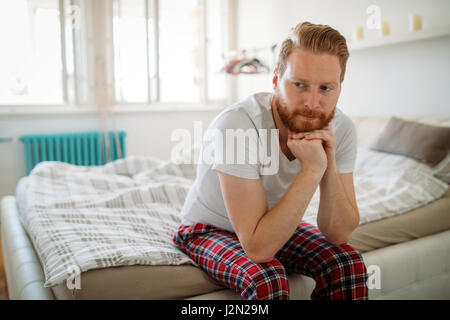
(312, 100)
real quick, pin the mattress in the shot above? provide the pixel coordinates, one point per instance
(420, 222)
(185, 281)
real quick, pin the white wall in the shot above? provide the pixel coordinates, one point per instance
(405, 79)
(409, 79)
(260, 22)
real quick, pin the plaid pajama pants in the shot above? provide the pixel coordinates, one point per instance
(339, 271)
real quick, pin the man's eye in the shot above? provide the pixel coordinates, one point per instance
(299, 84)
(325, 88)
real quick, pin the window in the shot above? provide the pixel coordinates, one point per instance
(167, 51)
(180, 52)
(131, 56)
(30, 58)
(152, 51)
(41, 58)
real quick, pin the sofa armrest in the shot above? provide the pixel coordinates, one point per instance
(23, 270)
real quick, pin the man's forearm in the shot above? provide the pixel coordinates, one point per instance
(278, 224)
(337, 218)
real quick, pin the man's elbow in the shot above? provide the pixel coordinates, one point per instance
(334, 236)
(258, 255)
(260, 258)
(338, 236)
(338, 240)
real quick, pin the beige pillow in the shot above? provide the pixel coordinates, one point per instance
(424, 142)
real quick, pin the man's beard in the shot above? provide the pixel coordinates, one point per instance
(293, 122)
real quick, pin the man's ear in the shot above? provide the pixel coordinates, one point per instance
(275, 79)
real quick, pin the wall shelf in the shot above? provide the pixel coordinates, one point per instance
(400, 38)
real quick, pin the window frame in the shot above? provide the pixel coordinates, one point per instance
(98, 18)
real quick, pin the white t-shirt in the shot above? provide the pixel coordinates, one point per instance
(204, 202)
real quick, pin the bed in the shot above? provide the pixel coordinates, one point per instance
(105, 232)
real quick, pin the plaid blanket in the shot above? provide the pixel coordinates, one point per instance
(123, 213)
(126, 212)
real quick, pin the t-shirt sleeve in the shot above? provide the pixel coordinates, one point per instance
(346, 148)
(231, 143)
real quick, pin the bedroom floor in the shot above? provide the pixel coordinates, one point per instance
(3, 286)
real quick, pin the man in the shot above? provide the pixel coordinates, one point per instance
(245, 228)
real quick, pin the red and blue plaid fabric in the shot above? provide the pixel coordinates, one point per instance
(339, 271)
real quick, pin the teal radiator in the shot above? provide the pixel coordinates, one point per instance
(85, 149)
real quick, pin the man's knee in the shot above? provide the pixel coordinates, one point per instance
(266, 281)
(342, 261)
(349, 255)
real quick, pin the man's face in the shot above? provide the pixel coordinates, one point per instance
(306, 94)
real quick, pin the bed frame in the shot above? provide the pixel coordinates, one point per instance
(418, 269)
